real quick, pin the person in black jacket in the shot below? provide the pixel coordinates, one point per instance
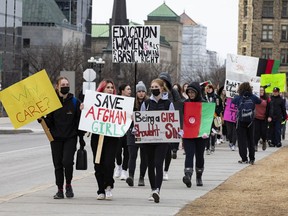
(276, 115)
(194, 146)
(63, 124)
(156, 152)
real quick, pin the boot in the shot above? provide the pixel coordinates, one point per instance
(199, 172)
(187, 178)
(141, 181)
(130, 180)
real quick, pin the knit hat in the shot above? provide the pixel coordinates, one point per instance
(141, 87)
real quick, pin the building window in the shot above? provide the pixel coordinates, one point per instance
(284, 13)
(284, 32)
(267, 10)
(244, 32)
(284, 56)
(244, 50)
(266, 53)
(245, 8)
(267, 32)
(26, 43)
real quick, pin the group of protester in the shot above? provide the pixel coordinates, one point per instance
(63, 124)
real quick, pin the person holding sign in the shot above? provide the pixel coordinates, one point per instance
(63, 124)
(122, 165)
(245, 103)
(105, 169)
(194, 146)
(156, 152)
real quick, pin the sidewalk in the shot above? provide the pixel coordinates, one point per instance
(128, 200)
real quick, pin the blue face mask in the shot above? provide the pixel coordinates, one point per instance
(155, 92)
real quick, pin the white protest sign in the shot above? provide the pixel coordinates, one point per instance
(106, 114)
(139, 44)
(231, 87)
(157, 126)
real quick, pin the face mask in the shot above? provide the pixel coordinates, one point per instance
(65, 90)
(155, 92)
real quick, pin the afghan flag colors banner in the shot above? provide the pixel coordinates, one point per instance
(198, 117)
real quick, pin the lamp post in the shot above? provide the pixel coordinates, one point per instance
(100, 64)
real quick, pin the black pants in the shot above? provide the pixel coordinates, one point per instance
(105, 169)
(122, 145)
(155, 157)
(194, 147)
(133, 152)
(245, 135)
(260, 128)
(231, 132)
(63, 159)
(168, 158)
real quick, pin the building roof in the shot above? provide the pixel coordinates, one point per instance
(163, 12)
(43, 12)
(186, 20)
(100, 30)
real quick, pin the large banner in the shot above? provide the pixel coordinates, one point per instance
(139, 44)
(106, 114)
(198, 119)
(230, 112)
(157, 126)
(30, 99)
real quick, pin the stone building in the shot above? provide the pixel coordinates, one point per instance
(263, 30)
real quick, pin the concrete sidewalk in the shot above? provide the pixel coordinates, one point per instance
(128, 200)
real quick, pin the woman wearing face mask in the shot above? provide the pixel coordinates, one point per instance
(63, 125)
(156, 152)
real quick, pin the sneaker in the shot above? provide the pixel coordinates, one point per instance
(208, 152)
(165, 176)
(108, 193)
(101, 196)
(242, 162)
(218, 142)
(233, 148)
(174, 154)
(123, 175)
(270, 143)
(59, 195)
(150, 198)
(279, 145)
(69, 192)
(251, 162)
(156, 196)
(264, 145)
(117, 172)
(130, 181)
(141, 181)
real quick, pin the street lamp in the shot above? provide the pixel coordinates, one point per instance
(99, 63)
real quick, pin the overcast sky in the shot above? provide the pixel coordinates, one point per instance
(219, 16)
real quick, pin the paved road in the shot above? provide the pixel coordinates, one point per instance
(126, 200)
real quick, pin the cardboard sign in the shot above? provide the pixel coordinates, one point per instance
(106, 114)
(230, 112)
(30, 99)
(157, 126)
(139, 44)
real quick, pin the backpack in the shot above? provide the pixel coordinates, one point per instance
(246, 110)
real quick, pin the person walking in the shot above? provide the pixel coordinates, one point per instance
(156, 152)
(276, 115)
(133, 148)
(105, 169)
(245, 103)
(261, 114)
(122, 163)
(63, 125)
(194, 147)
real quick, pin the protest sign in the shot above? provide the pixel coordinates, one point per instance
(157, 126)
(274, 80)
(106, 114)
(230, 112)
(140, 44)
(231, 87)
(30, 99)
(198, 119)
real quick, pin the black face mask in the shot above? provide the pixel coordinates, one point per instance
(155, 92)
(65, 90)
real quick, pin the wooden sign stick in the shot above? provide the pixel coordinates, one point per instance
(47, 131)
(99, 149)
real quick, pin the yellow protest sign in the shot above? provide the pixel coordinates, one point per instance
(274, 80)
(30, 99)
